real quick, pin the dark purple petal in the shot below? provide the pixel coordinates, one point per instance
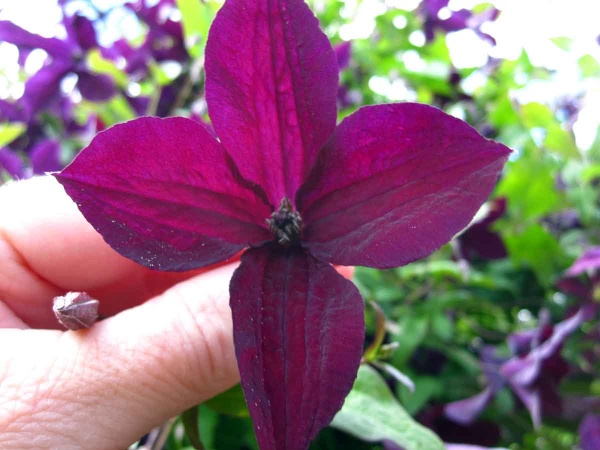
(271, 82)
(524, 370)
(11, 164)
(43, 87)
(478, 242)
(576, 288)
(9, 32)
(343, 52)
(481, 432)
(164, 193)
(497, 209)
(588, 262)
(394, 184)
(94, 86)
(589, 432)
(45, 157)
(467, 410)
(81, 31)
(534, 378)
(298, 333)
(11, 112)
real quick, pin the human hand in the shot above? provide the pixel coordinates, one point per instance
(166, 346)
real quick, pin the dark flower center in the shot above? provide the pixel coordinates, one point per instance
(285, 224)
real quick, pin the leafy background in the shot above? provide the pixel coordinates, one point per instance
(439, 329)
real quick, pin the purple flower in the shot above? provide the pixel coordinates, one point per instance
(586, 288)
(387, 186)
(164, 40)
(481, 432)
(480, 240)
(589, 263)
(456, 20)
(43, 88)
(10, 164)
(533, 373)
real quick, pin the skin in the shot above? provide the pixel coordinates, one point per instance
(166, 346)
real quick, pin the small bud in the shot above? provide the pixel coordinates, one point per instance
(76, 310)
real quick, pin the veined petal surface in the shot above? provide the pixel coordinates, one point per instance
(394, 184)
(164, 193)
(271, 84)
(298, 333)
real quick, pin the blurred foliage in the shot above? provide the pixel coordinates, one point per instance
(441, 312)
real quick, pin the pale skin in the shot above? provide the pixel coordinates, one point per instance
(166, 346)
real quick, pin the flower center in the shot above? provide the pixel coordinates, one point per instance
(285, 224)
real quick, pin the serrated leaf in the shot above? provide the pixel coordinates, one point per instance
(372, 413)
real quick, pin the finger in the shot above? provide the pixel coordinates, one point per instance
(106, 386)
(8, 319)
(47, 248)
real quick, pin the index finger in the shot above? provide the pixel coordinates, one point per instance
(47, 248)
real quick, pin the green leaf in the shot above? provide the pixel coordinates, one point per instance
(10, 131)
(529, 187)
(563, 42)
(99, 64)
(426, 387)
(196, 18)
(231, 403)
(537, 248)
(372, 413)
(589, 66)
(412, 331)
(442, 326)
(190, 424)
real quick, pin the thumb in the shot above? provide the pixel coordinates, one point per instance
(105, 387)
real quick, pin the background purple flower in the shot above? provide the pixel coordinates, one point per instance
(66, 57)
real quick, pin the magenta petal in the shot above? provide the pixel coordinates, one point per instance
(394, 184)
(271, 83)
(164, 193)
(298, 332)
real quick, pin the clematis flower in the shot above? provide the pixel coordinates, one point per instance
(582, 279)
(164, 40)
(456, 20)
(66, 56)
(533, 373)
(480, 241)
(387, 186)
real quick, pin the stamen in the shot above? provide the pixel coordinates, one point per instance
(285, 224)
